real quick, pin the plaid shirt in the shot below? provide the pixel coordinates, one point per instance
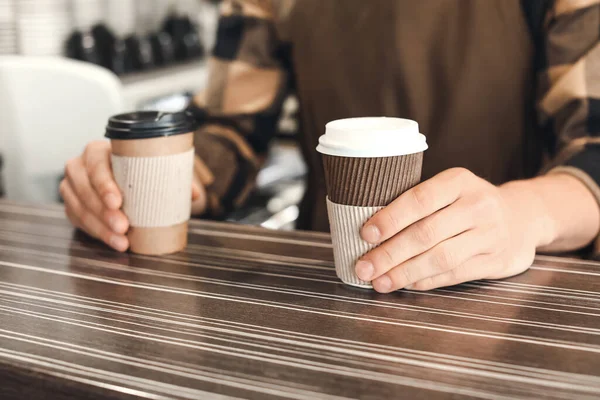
(250, 76)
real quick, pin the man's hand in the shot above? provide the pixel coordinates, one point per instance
(453, 228)
(93, 199)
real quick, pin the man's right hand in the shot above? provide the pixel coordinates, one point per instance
(92, 197)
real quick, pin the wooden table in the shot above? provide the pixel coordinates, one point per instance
(250, 313)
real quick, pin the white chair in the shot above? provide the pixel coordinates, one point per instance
(49, 109)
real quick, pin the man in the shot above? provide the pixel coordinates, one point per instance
(507, 93)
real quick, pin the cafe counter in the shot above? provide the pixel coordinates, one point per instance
(250, 313)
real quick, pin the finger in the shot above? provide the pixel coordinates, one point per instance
(441, 258)
(416, 239)
(77, 177)
(72, 218)
(99, 169)
(473, 269)
(88, 222)
(195, 191)
(73, 206)
(116, 220)
(76, 174)
(415, 204)
(199, 198)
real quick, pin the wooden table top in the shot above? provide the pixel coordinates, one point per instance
(251, 313)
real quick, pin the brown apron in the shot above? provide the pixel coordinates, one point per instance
(462, 69)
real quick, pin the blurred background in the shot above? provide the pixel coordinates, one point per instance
(67, 65)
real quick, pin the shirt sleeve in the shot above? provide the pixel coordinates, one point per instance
(569, 91)
(240, 108)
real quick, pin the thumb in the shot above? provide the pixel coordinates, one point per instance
(199, 200)
(195, 191)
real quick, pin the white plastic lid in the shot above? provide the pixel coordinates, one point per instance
(371, 137)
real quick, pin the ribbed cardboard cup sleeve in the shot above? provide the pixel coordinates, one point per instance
(348, 246)
(157, 192)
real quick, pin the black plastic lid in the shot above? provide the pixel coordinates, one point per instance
(149, 124)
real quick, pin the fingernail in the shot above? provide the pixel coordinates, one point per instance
(383, 284)
(365, 270)
(116, 224)
(112, 201)
(371, 234)
(118, 242)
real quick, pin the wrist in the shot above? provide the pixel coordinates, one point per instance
(557, 210)
(529, 211)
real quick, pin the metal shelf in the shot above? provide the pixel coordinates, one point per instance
(143, 87)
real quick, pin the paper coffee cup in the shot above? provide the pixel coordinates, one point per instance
(368, 163)
(152, 161)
